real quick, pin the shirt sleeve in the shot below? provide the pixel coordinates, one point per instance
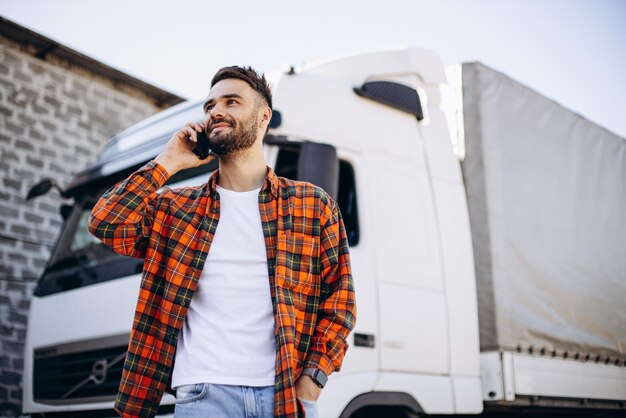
(337, 310)
(123, 216)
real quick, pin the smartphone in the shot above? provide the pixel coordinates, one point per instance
(202, 149)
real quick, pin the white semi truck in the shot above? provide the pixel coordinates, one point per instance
(487, 227)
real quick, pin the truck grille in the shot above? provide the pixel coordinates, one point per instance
(85, 376)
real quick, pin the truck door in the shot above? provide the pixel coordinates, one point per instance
(364, 340)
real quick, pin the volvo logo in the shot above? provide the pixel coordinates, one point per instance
(98, 373)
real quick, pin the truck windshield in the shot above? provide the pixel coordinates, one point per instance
(81, 246)
(79, 259)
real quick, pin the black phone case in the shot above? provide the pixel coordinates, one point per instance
(202, 149)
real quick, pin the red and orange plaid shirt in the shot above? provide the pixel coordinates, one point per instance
(172, 230)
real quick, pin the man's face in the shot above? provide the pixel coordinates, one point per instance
(231, 117)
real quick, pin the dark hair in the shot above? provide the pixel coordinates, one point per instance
(250, 76)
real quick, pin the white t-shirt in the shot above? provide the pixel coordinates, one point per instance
(228, 334)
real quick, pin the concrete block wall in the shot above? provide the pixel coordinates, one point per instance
(54, 119)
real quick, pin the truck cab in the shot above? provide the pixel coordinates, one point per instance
(382, 115)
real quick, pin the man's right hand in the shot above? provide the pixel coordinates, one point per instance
(178, 154)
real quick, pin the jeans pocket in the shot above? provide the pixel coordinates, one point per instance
(190, 393)
(310, 408)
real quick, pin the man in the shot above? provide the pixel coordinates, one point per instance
(246, 297)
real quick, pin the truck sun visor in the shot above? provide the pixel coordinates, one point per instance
(392, 94)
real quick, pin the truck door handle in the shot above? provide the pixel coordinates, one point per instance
(364, 340)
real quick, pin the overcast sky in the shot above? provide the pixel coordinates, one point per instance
(573, 51)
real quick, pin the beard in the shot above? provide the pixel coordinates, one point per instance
(241, 137)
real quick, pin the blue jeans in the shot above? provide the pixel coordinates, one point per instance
(208, 400)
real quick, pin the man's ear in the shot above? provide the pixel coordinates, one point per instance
(266, 117)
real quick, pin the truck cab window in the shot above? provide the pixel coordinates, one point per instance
(287, 166)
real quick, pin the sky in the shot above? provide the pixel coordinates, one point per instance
(572, 51)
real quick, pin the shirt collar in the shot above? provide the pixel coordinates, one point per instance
(270, 183)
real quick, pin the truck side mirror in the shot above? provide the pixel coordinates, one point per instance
(44, 187)
(40, 189)
(65, 211)
(319, 164)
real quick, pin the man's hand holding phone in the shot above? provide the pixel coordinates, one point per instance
(187, 148)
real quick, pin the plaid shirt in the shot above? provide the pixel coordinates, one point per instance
(172, 230)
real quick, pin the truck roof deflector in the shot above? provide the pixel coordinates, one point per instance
(396, 95)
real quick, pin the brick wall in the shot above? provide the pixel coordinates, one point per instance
(54, 119)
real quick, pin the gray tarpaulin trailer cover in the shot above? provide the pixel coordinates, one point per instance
(547, 199)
